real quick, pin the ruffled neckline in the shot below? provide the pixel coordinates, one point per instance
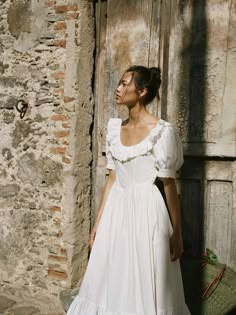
(124, 153)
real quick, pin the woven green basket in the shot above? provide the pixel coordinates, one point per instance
(210, 287)
(222, 300)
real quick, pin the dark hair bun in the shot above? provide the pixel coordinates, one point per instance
(149, 78)
(156, 75)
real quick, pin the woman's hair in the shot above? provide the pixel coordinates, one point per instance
(149, 78)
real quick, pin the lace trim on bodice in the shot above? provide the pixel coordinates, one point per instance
(124, 153)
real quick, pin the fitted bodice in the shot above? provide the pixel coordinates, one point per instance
(159, 154)
(139, 170)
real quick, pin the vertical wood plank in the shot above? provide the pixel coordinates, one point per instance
(99, 159)
(218, 225)
(154, 51)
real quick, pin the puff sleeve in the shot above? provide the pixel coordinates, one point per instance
(168, 152)
(110, 164)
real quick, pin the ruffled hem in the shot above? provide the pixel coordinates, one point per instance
(125, 153)
(82, 306)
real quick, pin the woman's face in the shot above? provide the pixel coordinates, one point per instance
(126, 92)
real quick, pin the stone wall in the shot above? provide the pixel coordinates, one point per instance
(46, 111)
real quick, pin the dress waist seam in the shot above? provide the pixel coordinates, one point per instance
(134, 185)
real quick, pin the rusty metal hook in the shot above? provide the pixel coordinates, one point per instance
(23, 108)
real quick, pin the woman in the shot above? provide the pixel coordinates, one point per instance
(134, 267)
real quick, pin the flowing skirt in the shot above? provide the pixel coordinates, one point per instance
(130, 271)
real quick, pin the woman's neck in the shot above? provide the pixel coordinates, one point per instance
(136, 113)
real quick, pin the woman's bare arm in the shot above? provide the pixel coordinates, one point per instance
(176, 242)
(110, 181)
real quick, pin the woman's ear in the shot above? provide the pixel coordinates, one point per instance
(142, 92)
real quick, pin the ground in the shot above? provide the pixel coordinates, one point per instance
(19, 302)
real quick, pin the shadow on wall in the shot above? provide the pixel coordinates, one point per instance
(191, 93)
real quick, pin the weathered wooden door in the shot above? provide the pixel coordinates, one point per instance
(197, 59)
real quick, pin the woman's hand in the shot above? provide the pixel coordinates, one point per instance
(92, 236)
(176, 245)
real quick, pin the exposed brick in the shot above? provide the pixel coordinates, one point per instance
(59, 25)
(65, 8)
(49, 3)
(64, 251)
(65, 125)
(66, 160)
(62, 133)
(57, 274)
(72, 16)
(54, 208)
(58, 150)
(57, 258)
(68, 99)
(60, 117)
(58, 75)
(59, 43)
(59, 91)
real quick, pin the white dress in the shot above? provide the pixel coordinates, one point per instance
(129, 271)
